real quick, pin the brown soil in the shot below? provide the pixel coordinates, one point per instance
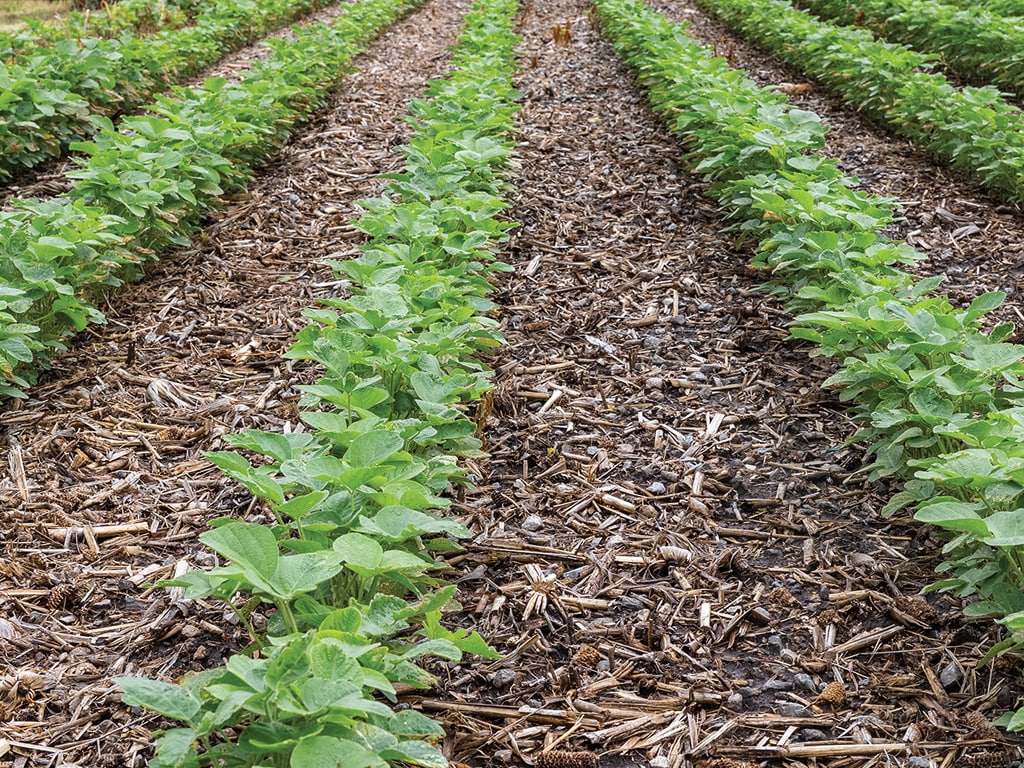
(672, 551)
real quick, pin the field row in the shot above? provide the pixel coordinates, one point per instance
(57, 93)
(347, 565)
(938, 398)
(348, 562)
(976, 44)
(135, 16)
(144, 186)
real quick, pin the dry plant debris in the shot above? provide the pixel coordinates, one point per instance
(673, 554)
(668, 475)
(104, 489)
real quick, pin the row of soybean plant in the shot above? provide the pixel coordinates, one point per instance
(140, 16)
(346, 563)
(1011, 8)
(976, 44)
(935, 396)
(974, 129)
(54, 93)
(146, 186)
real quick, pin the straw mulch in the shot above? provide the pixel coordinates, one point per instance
(675, 555)
(103, 488)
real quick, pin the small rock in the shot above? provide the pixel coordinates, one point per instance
(661, 761)
(790, 709)
(804, 682)
(502, 678)
(592, 450)
(652, 342)
(813, 734)
(735, 701)
(655, 382)
(775, 643)
(533, 523)
(951, 674)
(778, 685)
(504, 756)
(698, 376)
(705, 306)
(656, 488)
(920, 761)
(677, 320)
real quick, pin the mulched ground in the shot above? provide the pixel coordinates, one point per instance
(672, 551)
(105, 488)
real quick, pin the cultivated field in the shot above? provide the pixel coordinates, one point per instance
(408, 382)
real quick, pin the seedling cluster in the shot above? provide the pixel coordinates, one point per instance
(977, 44)
(973, 129)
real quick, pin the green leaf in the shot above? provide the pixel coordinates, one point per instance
(343, 620)
(954, 515)
(251, 671)
(359, 550)
(930, 405)
(418, 753)
(994, 357)
(164, 698)
(398, 523)
(985, 303)
(329, 660)
(329, 752)
(1006, 528)
(269, 736)
(1012, 721)
(467, 642)
(445, 649)
(373, 447)
(304, 572)
(236, 466)
(289, 664)
(299, 506)
(176, 749)
(251, 546)
(410, 722)
(319, 693)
